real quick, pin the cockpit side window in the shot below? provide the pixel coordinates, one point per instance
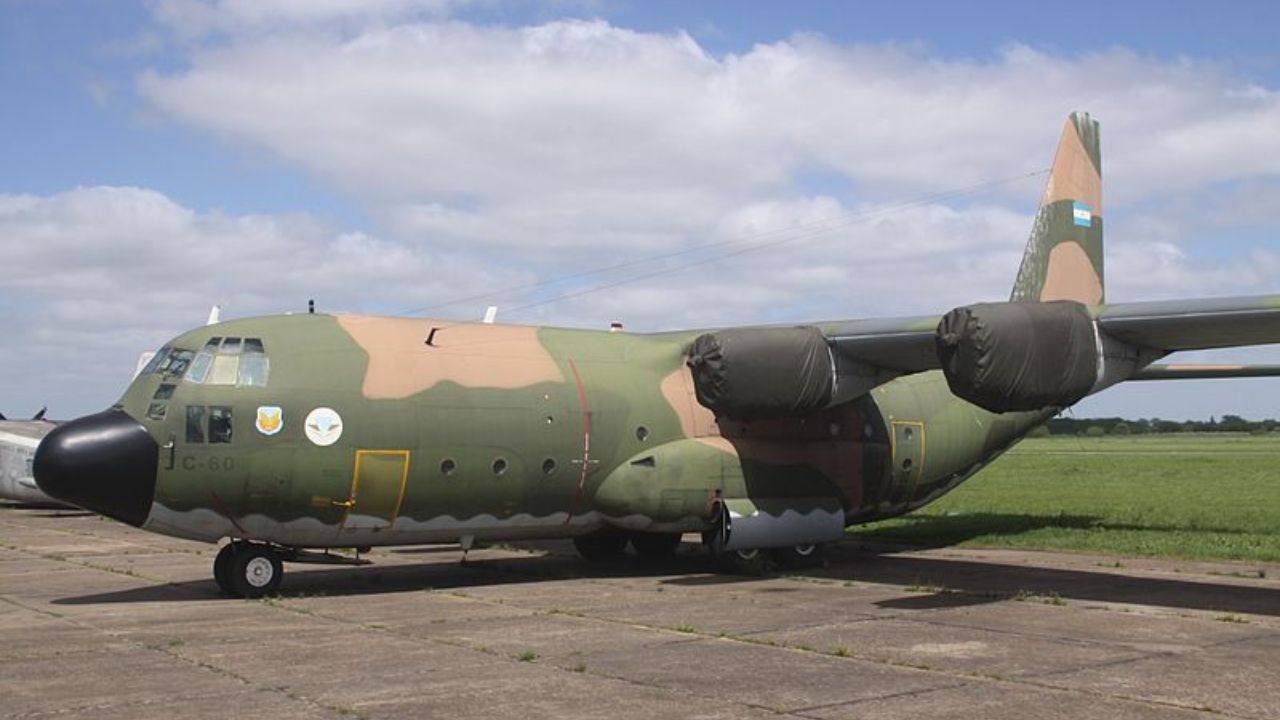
(219, 424)
(176, 364)
(160, 356)
(195, 423)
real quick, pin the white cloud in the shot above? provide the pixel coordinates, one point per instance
(196, 18)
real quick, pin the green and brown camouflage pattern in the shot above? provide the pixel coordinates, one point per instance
(657, 460)
(1063, 259)
(457, 430)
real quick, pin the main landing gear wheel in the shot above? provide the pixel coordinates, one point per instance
(655, 546)
(250, 570)
(799, 557)
(601, 546)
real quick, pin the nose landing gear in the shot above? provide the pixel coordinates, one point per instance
(247, 570)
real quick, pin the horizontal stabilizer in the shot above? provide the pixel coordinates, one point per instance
(1205, 372)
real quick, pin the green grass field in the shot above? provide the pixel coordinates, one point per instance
(1212, 496)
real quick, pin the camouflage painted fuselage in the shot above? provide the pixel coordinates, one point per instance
(504, 432)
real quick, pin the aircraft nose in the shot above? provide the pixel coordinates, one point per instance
(104, 462)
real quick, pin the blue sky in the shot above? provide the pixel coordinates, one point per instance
(397, 154)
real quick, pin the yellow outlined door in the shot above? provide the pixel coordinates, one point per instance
(908, 460)
(377, 488)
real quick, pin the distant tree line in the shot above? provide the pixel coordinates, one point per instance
(1144, 426)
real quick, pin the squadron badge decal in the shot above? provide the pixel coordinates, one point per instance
(323, 426)
(270, 420)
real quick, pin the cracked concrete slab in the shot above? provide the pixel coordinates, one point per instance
(100, 620)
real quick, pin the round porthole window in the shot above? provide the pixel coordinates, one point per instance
(642, 433)
(499, 466)
(448, 466)
(549, 466)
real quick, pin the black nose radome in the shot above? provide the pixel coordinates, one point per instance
(104, 462)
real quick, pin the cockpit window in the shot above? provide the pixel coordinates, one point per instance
(159, 357)
(253, 371)
(231, 361)
(176, 363)
(168, 361)
(199, 367)
(219, 424)
(225, 368)
(195, 423)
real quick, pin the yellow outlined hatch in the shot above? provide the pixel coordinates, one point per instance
(377, 488)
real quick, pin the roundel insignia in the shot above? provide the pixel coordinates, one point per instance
(323, 426)
(270, 420)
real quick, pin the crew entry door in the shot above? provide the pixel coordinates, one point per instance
(377, 488)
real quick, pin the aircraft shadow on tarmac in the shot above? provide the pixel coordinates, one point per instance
(936, 531)
(958, 581)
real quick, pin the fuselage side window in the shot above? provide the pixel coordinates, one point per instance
(219, 424)
(195, 423)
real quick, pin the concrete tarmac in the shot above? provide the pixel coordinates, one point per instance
(100, 620)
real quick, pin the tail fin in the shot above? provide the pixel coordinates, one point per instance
(1063, 260)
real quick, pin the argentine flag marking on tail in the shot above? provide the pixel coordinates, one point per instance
(1082, 214)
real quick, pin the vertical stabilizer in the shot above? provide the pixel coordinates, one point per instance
(1063, 260)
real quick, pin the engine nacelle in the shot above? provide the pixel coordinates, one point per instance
(753, 373)
(1019, 355)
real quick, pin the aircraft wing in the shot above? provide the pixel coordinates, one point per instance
(1194, 324)
(906, 345)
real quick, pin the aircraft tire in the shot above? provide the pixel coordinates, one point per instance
(799, 557)
(747, 561)
(221, 563)
(602, 546)
(254, 571)
(655, 546)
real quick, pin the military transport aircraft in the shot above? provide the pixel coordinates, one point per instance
(295, 434)
(18, 441)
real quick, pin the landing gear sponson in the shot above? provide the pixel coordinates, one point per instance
(246, 569)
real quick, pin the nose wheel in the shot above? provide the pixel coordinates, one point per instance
(247, 570)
